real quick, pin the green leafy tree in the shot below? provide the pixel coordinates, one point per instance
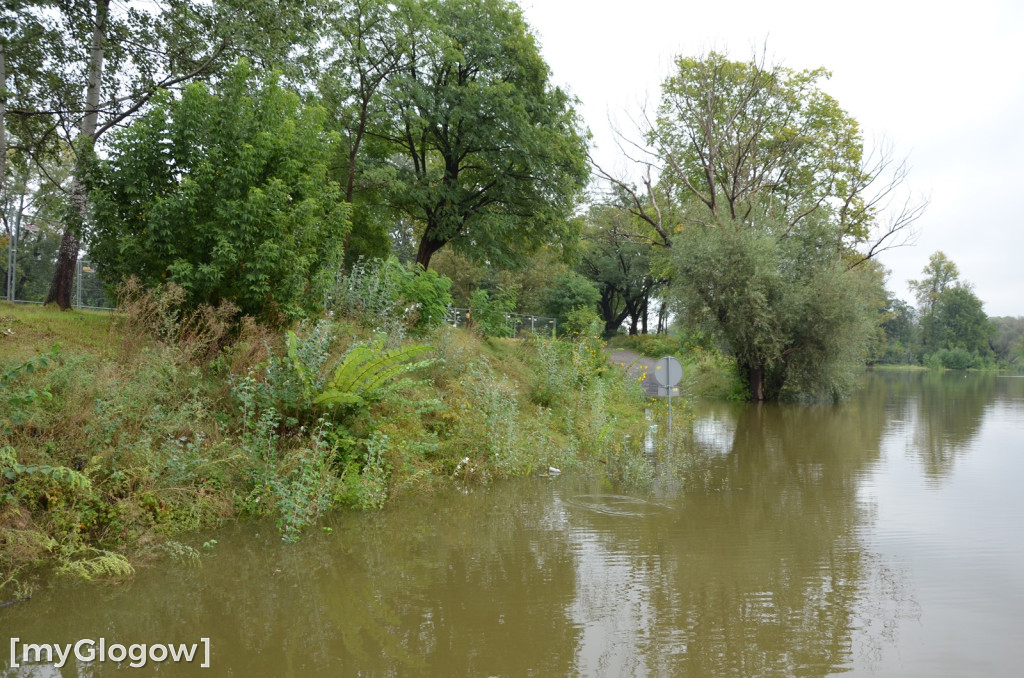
(901, 333)
(957, 320)
(489, 313)
(569, 293)
(490, 157)
(939, 275)
(616, 259)
(81, 68)
(798, 324)
(952, 316)
(364, 47)
(766, 175)
(225, 193)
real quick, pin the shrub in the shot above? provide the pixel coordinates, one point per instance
(490, 314)
(954, 359)
(386, 295)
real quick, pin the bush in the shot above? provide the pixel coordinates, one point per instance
(389, 296)
(249, 215)
(568, 293)
(954, 359)
(489, 314)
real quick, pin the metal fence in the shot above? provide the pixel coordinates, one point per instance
(517, 323)
(27, 271)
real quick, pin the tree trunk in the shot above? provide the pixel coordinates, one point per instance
(643, 317)
(67, 257)
(428, 245)
(755, 382)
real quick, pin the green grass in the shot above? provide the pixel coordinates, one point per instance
(124, 444)
(27, 329)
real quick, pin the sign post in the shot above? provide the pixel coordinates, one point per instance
(668, 372)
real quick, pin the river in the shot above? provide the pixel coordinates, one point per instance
(880, 537)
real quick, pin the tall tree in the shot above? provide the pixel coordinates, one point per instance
(762, 171)
(939, 275)
(490, 156)
(363, 49)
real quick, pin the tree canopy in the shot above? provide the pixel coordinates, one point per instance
(490, 157)
(758, 183)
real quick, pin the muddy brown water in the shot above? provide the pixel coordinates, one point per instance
(882, 537)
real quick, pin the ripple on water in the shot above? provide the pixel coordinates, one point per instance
(617, 505)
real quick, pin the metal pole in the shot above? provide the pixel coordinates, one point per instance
(12, 260)
(78, 291)
(668, 380)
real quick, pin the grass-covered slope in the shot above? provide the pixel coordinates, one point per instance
(120, 434)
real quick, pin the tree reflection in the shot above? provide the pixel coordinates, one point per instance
(759, 572)
(950, 409)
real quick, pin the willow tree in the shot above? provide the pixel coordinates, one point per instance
(759, 184)
(490, 156)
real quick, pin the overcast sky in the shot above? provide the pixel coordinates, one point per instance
(944, 82)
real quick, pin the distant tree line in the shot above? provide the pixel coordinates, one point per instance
(949, 327)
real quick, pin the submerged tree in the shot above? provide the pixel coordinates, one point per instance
(762, 172)
(796, 322)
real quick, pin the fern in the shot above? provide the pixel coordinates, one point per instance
(366, 372)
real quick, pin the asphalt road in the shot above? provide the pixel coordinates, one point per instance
(637, 366)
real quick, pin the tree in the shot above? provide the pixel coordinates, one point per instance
(34, 203)
(951, 315)
(956, 321)
(764, 173)
(225, 193)
(901, 332)
(569, 293)
(939, 275)
(615, 257)
(797, 323)
(365, 48)
(490, 158)
(1007, 339)
(121, 55)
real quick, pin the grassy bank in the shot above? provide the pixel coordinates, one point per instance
(122, 434)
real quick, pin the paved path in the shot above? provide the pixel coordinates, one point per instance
(637, 366)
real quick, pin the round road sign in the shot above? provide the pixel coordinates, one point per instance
(668, 371)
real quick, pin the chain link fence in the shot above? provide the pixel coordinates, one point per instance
(27, 270)
(517, 323)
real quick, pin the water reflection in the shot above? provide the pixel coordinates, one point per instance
(765, 562)
(757, 572)
(945, 411)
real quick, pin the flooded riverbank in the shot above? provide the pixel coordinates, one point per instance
(878, 537)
